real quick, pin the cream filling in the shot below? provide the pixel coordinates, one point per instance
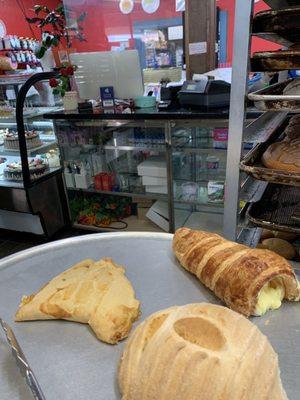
(270, 297)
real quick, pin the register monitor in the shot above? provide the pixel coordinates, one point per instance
(108, 68)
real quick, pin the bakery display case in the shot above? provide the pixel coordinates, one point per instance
(263, 184)
(30, 184)
(168, 168)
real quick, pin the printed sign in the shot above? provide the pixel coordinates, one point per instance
(107, 96)
(150, 6)
(126, 6)
(180, 5)
(197, 48)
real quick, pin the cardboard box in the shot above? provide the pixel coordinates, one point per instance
(153, 166)
(159, 215)
(154, 181)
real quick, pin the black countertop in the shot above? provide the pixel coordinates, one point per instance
(150, 114)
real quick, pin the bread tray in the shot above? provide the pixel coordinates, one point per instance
(68, 360)
(272, 99)
(275, 209)
(252, 165)
(277, 4)
(273, 24)
(275, 60)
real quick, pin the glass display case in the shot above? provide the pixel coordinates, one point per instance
(29, 157)
(167, 169)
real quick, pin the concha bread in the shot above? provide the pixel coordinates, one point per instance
(250, 281)
(94, 293)
(292, 132)
(199, 351)
(293, 88)
(295, 120)
(283, 155)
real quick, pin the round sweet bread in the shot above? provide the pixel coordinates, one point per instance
(292, 131)
(294, 120)
(281, 247)
(199, 351)
(283, 155)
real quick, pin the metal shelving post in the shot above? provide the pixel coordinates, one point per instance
(243, 13)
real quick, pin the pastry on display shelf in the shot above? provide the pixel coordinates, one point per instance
(199, 351)
(292, 131)
(280, 246)
(6, 111)
(250, 281)
(94, 293)
(293, 88)
(294, 120)
(284, 155)
(2, 133)
(11, 140)
(37, 168)
(53, 158)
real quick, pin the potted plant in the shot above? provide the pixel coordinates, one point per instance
(54, 31)
(63, 85)
(53, 26)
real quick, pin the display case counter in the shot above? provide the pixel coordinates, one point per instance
(169, 165)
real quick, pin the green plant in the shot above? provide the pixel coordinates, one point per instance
(53, 26)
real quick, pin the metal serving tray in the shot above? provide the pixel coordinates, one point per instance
(272, 99)
(275, 60)
(252, 165)
(275, 209)
(68, 361)
(283, 23)
(277, 4)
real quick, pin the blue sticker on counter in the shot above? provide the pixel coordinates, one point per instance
(107, 96)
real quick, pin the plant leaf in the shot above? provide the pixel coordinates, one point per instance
(55, 91)
(41, 52)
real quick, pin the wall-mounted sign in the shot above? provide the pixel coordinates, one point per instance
(2, 28)
(180, 5)
(197, 48)
(150, 6)
(126, 6)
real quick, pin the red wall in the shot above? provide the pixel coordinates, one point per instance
(257, 44)
(14, 19)
(105, 18)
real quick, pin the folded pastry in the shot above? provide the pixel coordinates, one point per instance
(199, 351)
(250, 281)
(95, 293)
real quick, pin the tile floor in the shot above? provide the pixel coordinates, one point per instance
(11, 242)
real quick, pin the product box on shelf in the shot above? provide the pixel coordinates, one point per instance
(215, 192)
(153, 166)
(154, 181)
(220, 138)
(159, 214)
(156, 189)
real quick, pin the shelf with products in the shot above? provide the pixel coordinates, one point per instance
(241, 223)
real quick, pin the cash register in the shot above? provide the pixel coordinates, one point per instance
(204, 93)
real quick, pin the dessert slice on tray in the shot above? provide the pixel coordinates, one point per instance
(250, 281)
(95, 293)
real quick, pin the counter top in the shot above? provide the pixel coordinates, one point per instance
(150, 114)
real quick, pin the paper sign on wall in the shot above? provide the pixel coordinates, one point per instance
(180, 5)
(197, 48)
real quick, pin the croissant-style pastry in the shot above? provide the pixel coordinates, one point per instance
(250, 281)
(94, 293)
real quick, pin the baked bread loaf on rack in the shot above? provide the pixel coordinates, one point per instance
(94, 293)
(250, 281)
(283, 155)
(199, 351)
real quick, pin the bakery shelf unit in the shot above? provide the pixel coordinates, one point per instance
(171, 164)
(32, 194)
(247, 180)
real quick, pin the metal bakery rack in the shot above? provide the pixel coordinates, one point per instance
(258, 197)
